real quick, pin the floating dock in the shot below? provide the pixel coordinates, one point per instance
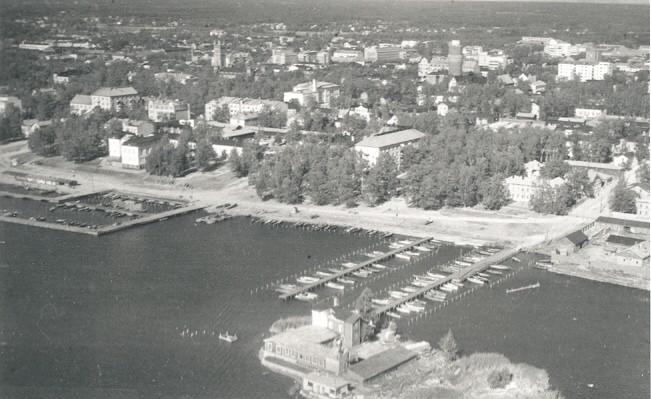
(460, 275)
(348, 271)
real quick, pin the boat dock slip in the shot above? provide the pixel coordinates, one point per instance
(149, 219)
(460, 275)
(350, 270)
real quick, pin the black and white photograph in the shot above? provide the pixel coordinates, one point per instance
(324, 199)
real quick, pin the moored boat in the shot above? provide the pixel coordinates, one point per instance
(335, 286)
(306, 296)
(500, 267)
(228, 337)
(307, 280)
(403, 256)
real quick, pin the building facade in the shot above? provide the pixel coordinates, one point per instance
(321, 93)
(114, 98)
(161, 109)
(387, 143)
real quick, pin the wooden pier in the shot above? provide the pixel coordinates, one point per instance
(347, 271)
(460, 275)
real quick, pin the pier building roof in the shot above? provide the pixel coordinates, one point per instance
(380, 363)
(623, 222)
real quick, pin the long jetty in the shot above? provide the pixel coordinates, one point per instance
(460, 275)
(347, 271)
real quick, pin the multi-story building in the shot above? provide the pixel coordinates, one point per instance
(80, 104)
(569, 69)
(384, 53)
(6, 101)
(536, 40)
(391, 143)
(455, 58)
(217, 59)
(522, 188)
(161, 109)
(283, 56)
(347, 56)
(135, 150)
(435, 64)
(242, 106)
(114, 98)
(558, 48)
(321, 93)
(589, 113)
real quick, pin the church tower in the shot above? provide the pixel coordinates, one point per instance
(216, 60)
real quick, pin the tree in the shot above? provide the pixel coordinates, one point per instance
(236, 164)
(554, 168)
(643, 174)
(159, 159)
(622, 198)
(204, 154)
(81, 139)
(10, 124)
(551, 200)
(43, 142)
(578, 183)
(364, 307)
(499, 379)
(382, 180)
(448, 344)
(494, 193)
(222, 114)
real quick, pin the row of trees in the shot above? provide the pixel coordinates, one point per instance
(76, 139)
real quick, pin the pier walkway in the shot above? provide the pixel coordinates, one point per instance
(307, 287)
(460, 275)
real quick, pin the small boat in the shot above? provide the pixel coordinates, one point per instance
(380, 301)
(394, 315)
(422, 248)
(307, 280)
(306, 296)
(349, 264)
(462, 263)
(421, 283)
(346, 280)
(484, 275)
(451, 286)
(526, 287)
(323, 274)
(435, 275)
(419, 302)
(395, 245)
(378, 266)
(500, 267)
(405, 242)
(409, 289)
(332, 269)
(397, 294)
(414, 307)
(486, 253)
(403, 256)
(335, 286)
(228, 337)
(516, 259)
(475, 280)
(411, 253)
(403, 309)
(379, 253)
(497, 272)
(360, 273)
(370, 255)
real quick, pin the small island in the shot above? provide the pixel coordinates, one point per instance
(338, 354)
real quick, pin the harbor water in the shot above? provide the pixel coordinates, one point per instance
(137, 313)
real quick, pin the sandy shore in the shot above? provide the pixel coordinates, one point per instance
(513, 225)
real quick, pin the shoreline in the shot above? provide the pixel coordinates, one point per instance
(627, 282)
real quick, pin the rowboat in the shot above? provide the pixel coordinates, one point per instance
(307, 280)
(380, 301)
(397, 294)
(475, 281)
(409, 289)
(228, 337)
(306, 296)
(333, 285)
(323, 274)
(394, 315)
(500, 267)
(346, 280)
(403, 256)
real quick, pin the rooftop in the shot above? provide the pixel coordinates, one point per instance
(380, 363)
(577, 237)
(81, 99)
(141, 141)
(391, 139)
(596, 165)
(115, 91)
(623, 222)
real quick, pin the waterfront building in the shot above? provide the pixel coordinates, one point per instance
(135, 149)
(321, 93)
(391, 143)
(80, 104)
(522, 188)
(114, 98)
(5, 101)
(324, 386)
(568, 245)
(637, 255)
(162, 109)
(624, 226)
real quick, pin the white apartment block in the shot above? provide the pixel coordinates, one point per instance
(321, 93)
(80, 104)
(584, 71)
(160, 109)
(241, 106)
(558, 49)
(114, 98)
